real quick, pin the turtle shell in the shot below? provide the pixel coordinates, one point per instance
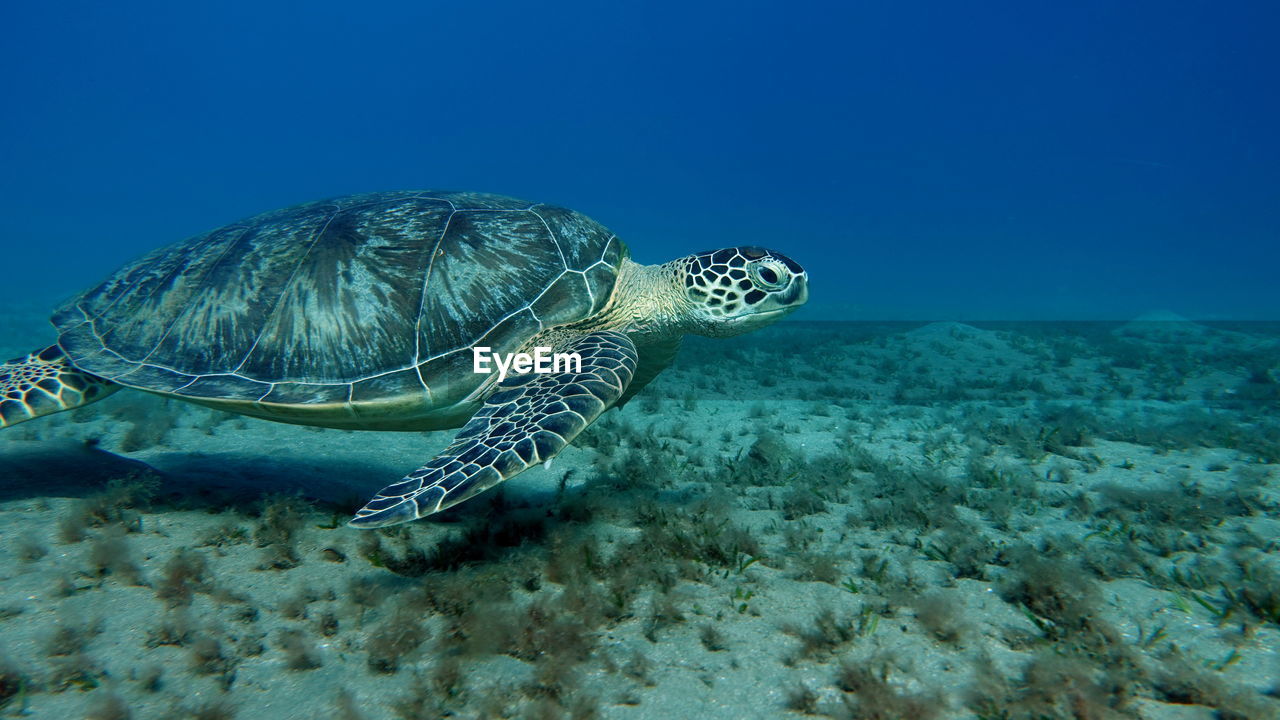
(348, 300)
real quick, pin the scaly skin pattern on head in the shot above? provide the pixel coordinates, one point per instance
(719, 293)
(44, 383)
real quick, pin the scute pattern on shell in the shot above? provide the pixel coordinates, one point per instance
(355, 298)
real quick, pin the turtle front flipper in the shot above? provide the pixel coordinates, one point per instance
(526, 421)
(44, 383)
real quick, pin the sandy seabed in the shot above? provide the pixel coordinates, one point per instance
(833, 520)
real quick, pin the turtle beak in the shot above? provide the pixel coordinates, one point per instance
(797, 291)
(796, 294)
(785, 302)
(799, 294)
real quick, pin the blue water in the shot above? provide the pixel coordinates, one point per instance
(932, 509)
(1001, 161)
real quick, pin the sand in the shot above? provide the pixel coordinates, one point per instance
(840, 520)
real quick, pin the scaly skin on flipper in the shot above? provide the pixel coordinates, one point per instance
(44, 383)
(527, 421)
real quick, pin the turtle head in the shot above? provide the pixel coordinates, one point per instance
(740, 289)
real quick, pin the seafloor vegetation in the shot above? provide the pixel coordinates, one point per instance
(844, 521)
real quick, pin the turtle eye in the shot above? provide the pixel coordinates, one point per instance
(768, 275)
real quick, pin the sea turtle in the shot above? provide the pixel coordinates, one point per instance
(367, 312)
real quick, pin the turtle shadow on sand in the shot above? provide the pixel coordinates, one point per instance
(195, 482)
(63, 469)
(236, 478)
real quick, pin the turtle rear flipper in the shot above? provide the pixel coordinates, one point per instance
(526, 421)
(44, 383)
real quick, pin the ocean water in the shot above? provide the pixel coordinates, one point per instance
(1016, 457)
